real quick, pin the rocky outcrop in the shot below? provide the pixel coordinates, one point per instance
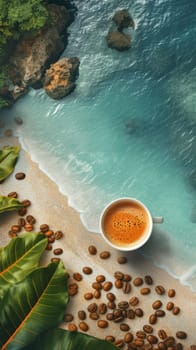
(123, 19)
(60, 77)
(118, 40)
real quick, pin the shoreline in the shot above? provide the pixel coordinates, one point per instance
(52, 207)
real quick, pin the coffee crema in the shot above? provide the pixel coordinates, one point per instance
(125, 223)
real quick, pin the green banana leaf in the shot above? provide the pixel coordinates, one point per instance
(8, 158)
(60, 339)
(20, 257)
(8, 203)
(32, 306)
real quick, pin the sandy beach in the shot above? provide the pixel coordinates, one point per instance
(49, 206)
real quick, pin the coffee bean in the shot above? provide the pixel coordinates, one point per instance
(110, 296)
(124, 327)
(68, 317)
(58, 251)
(97, 294)
(49, 246)
(18, 120)
(15, 228)
(87, 270)
(30, 219)
(20, 176)
(147, 328)
(131, 314)
(193, 347)
(127, 278)
(88, 295)
(102, 323)
(28, 227)
(160, 313)
(111, 305)
(22, 211)
(179, 346)
(134, 301)
(92, 307)
(160, 290)
(117, 312)
(77, 276)
(54, 260)
(49, 233)
(139, 312)
(162, 346)
(118, 284)
(119, 275)
(21, 222)
(100, 278)
(58, 235)
(128, 337)
(93, 315)
(138, 342)
(44, 227)
(170, 341)
(110, 316)
(8, 132)
(162, 334)
(157, 304)
(13, 195)
(123, 305)
(138, 281)
(169, 306)
(119, 343)
(152, 339)
(122, 260)
(81, 315)
(145, 291)
(118, 319)
(152, 319)
(181, 335)
(110, 338)
(141, 334)
(51, 239)
(124, 313)
(83, 326)
(171, 293)
(107, 286)
(148, 346)
(176, 310)
(92, 250)
(102, 308)
(148, 280)
(72, 327)
(126, 287)
(104, 255)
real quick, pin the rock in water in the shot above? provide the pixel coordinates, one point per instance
(123, 19)
(60, 77)
(118, 40)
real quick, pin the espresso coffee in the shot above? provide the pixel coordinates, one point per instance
(125, 222)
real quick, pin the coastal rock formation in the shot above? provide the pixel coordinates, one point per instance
(60, 77)
(123, 19)
(118, 40)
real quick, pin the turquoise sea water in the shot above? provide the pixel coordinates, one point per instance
(129, 128)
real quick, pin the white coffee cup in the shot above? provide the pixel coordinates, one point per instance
(147, 232)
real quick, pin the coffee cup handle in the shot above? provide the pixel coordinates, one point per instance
(157, 219)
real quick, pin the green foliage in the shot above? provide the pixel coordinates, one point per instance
(3, 75)
(3, 103)
(8, 158)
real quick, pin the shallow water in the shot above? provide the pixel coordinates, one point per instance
(129, 127)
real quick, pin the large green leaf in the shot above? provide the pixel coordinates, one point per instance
(32, 306)
(20, 257)
(9, 203)
(8, 158)
(59, 339)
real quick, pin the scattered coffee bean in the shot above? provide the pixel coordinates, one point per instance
(26, 203)
(126, 287)
(18, 120)
(51, 239)
(119, 275)
(179, 346)
(110, 316)
(100, 278)
(83, 326)
(122, 260)
(138, 281)
(49, 233)
(8, 132)
(87, 270)
(123, 305)
(72, 289)
(124, 313)
(141, 334)
(104, 255)
(72, 327)
(49, 246)
(169, 341)
(44, 227)
(152, 339)
(88, 295)
(193, 347)
(139, 312)
(162, 346)
(148, 346)
(171, 293)
(81, 315)
(131, 314)
(102, 323)
(138, 342)
(119, 343)
(127, 278)
(102, 308)
(58, 235)
(58, 251)
(124, 327)
(148, 280)
(110, 338)
(30, 219)
(20, 176)
(160, 290)
(111, 305)
(162, 334)
(68, 317)
(107, 286)
(118, 319)
(92, 307)
(13, 195)
(169, 306)
(21, 222)
(181, 335)
(152, 319)
(96, 285)
(97, 294)
(147, 328)
(145, 291)
(28, 227)
(92, 250)
(110, 296)
(55, 260)
(22, 211)
(118, 284)
(176, 310)
(93, 315)
(15, 228)
(77, 276)
(128, 337)
(134, 301)
(157, 304)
